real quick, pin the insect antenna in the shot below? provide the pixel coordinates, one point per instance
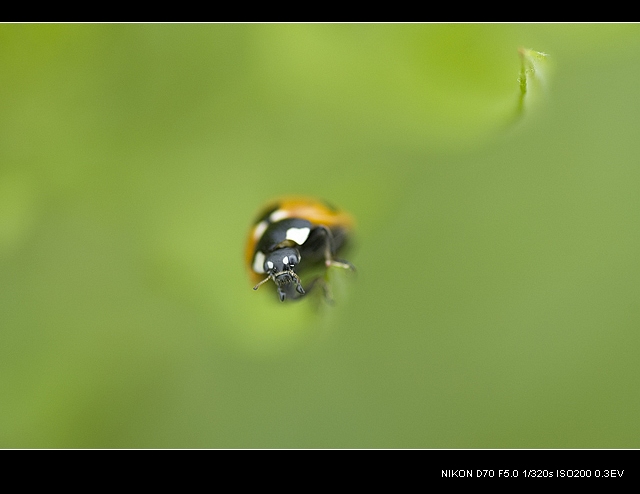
(262, 282)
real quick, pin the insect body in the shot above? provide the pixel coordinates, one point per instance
(293, 235)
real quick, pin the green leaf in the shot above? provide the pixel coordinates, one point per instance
(535, 71)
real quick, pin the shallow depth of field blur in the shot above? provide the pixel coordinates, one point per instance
(497, 298)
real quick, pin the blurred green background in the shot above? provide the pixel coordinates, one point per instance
(496, 303)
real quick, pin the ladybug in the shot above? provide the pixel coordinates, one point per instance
(292, 235)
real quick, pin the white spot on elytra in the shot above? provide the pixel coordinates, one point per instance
(278, 215)
(259, 229)
(298, 235)
(258, 262)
